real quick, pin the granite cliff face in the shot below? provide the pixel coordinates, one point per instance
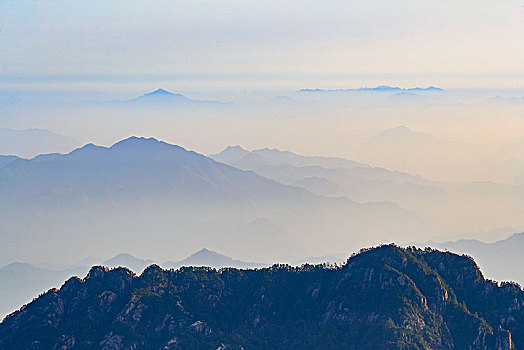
(382, 298)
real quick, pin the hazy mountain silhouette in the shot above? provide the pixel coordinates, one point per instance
(99, 197)
(31, 142)
(333, 176)
(403, 149)
(235, 155)
(162, 97)
(205, 257)
(158, 98)
(405, 96)
(505, 100)
(380, 88)
(127, 260)
(456, 207)
(134, 165)
(403, 133)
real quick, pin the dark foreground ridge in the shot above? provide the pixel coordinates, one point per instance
(383, 298)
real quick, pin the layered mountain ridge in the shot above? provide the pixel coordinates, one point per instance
(95, 197)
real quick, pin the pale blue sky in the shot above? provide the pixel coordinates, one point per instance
(296, 43)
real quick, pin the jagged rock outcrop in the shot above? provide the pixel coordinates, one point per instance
(383, 298)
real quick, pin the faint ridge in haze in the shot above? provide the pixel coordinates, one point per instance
(237, 155)
(209, 258)
(380, 88)
(127, 260)
(32, 142)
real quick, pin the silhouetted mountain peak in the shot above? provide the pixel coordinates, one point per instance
(137, 141)
(102, 273)
(231, 154)
(123, 256)
(87, 148)
(96, 272)
(204, 252)
(151, 270)
(402, 131)
(161, 92)
(206, 257)
(161, 97)
(235, 148)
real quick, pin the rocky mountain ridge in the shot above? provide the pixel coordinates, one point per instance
(382, 298)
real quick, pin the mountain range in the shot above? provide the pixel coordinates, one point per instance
(332, 177)
(499, 260)
(95, 197)
(380, 88)
(382, 298)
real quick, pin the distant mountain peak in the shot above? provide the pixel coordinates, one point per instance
(164, 97)
(230, 154)
(207, 252)
(164, 93)
(87, 147)
(140, 141)
(160, 91)
(124, 255)
(234, 148)
(401, 128)
(384, 87)
(160, 96)
(211, 258)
